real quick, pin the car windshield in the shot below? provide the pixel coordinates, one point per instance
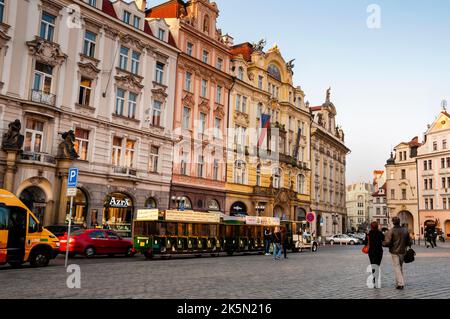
(77, 232)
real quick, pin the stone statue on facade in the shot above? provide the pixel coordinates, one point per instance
(329, 94)
(259, 47)
(66, 149)
(12, 139)
(290, 66)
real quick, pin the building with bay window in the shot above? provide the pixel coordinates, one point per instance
(106, 72)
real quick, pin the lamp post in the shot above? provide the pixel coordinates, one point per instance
(260, 208)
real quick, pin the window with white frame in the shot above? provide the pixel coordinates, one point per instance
(153, 160)
(301, 184)
(126, 17)
(85, 93)
(205, 56)
(238, 102)
(204, 88)
(240, 73)
(159, 75)
(161, 34)
(219, 64)
(129, 153)
(260, 82)
(136, 22)
(81, 144)
(188, 82)
(2, 10)
(47, 30)
(92, 3)
(34, 132)
(244, 104)
(43, 76)
(277, 178)
(116, 156)
(219, 95)
(120, 102)
(156, 113)
(239, 172)
(217, 127)
(202, 124)
(183, 164)
(216, 170)
(123, 58)
(132, 105)
(200, 166)
(90, 39)
(186, 118)
(189, 48)
(135, 58)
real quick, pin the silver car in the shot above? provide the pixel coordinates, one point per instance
(342, 239)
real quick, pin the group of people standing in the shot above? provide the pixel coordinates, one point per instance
(397, 240)
(279, 239)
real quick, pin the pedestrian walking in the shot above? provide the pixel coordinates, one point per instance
(398, 239)
(374, 240)
(267, 240)
(284, 241)
(429, 237)
(277, 244)
(434, 236)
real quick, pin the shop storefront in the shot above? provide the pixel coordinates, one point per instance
(118, 213)
(80, 208)
(238, 209)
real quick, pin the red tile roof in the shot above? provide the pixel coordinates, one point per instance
(169, 9)
(147, 28)
(246, 49)
(108, 8)
(315, 108)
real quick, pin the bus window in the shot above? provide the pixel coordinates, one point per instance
(171, 229)
(4, 218)
(190, 230)
(213, 231)
(229, 231)
(161, 229)
(205, 230)
(181, 229)
(32, 225)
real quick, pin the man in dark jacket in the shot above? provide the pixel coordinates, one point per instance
(267, 240)
(398, 239)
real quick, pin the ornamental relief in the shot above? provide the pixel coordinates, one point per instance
(132, 42)
(88, 70)
(241, 118)
(4, 38)
(160, 95)
(129, 82)
(188, 99)
(204, 105)
(46, 52)
(219, 112)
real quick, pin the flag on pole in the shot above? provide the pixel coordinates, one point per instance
(265, 125)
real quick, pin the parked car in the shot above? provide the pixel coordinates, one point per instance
(343, 239)
(90, 242)
(60, 230)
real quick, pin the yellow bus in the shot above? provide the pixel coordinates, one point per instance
(22, 238)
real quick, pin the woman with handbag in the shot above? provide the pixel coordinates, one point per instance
(374, 247)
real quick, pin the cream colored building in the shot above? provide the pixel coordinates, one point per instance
(433, 167)
(328, 158)
(359, 203)
(401, 184)
(101, 69)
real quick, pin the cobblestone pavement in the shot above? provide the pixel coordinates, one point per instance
(332, 272)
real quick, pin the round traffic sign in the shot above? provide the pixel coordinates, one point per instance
(310, 217)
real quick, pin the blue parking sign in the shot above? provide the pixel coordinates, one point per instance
(73, 178)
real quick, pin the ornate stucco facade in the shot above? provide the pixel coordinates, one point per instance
(268, 166)
(359, 203)
(101, 72)
(328, 159)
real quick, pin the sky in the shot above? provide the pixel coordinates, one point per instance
(387, 83)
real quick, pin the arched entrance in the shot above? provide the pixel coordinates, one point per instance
(118, 213)
(34, 198)
(300, 214)
(406, 220)
(238, 208)
(80, 207)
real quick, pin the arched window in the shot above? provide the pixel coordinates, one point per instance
(206, 24)
(239, 172)
(277, 178)
(240, 73)
(151, 203)
(258, 175)
(301, 184)
(274, 71)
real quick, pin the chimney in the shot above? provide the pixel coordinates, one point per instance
(141, 4)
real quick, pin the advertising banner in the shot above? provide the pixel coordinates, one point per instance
(192, 217)
(147, 214)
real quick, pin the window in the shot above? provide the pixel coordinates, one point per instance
(32, 225)
(277, 178)
(442, 162)
(260, 82)
(444, 184)
(239, 172)
(189, 48)
(431, 204)
(202, 127)
(444, 144)
(219, 64)
(404, 194)
(156, 113)
(120, 101)
(244, 104)
(204, 88)
(34, 132)
(136, 22)
(47, 26)
(444, 203)
(123, 59)
(240, 73)
(153, 160)
(238, 103)
(425, 165)
(259, 111)
(392, 193)
(126, 17)
(219, 95)
(129, 153)
(430, 164)
(258, 175)
(135, 57)
(448, 162)
(430, 183)
(85, 92)
(82, 143)
(43, 75)
(206, 24)
(426, 204)
(159, 76)
(216, 170)
(403, 174)
(217, 127)
(426, 184)
(161, 34)
(188, 82)
(186, 118)
(435, 146)
(183, 166)
(301, 184)
(205, 56)
(2, 10)
(200, 166)
(92, 3)
(89, 44)
(132, 100)
(116, 151)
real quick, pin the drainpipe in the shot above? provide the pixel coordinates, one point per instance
(228, 124)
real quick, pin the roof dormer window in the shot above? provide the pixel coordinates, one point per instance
(92, 3)
(136, 22)
(161, 34)
(126, 17)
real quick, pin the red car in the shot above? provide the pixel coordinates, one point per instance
(90, 242)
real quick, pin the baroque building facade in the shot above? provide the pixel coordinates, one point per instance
(359, 204)
(328, 160)
(92, 84)
(268, 171)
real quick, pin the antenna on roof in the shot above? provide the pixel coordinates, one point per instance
(444, 105)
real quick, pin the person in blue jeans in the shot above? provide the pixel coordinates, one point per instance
(277, 244)
(267, 241)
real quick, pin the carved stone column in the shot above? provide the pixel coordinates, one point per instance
(62, 170)
(11, 158)
(12, 143)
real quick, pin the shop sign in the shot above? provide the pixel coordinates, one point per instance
(119, 203)
(147, 214)
(212, 205)
(192, 217)
(263, 221)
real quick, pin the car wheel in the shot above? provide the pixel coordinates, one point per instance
(89, 252)
(314, 248)
(39, 258)
(352, 242)
(331, 242)
(129, 252)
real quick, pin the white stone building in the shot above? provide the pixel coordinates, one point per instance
(359, 204)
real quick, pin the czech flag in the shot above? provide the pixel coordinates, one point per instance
(265, 125)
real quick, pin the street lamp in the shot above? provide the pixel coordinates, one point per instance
(260, 208)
